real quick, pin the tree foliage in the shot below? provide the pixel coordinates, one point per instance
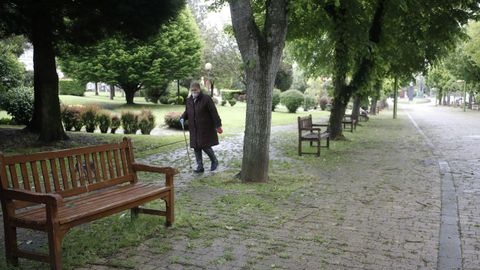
(47, 23)
(174, 53)
(284, 78)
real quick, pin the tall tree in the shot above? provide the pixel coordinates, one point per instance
(261, 44)
(174, 53)
(47, 22)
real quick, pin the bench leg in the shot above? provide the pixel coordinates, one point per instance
(328, 142)
(134, 213)
(11, 244)
(55, 247)
(299, 147)
(170, 209)
(318, 148)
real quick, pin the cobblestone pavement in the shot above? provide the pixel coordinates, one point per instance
(456, 136)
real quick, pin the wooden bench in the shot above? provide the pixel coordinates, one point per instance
(55, 191)
(348, 120)
(475, 107)
(314, 134)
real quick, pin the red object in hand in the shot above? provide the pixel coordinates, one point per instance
(219, 130)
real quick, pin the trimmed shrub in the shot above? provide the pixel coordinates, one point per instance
(72, 117)
(224, 102)
(172, 100)
(146, 121)
(228, 94)
(292, 99)
(71, 87)
(172, 120)
(180, 100)
(275, 98)
(18, 102)
(129, 122)
(114, 124)
(324, 101)
(164, 99)
(232, 102)
(6, 121)
(215, 100)
(242, 98)
(104, 120)
(89, 118)
(309, 103)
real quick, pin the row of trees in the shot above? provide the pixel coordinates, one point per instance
(461, 65)
(358, 43)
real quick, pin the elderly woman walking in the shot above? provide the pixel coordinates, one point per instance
(203, 124)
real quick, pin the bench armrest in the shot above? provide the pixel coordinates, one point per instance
(149, 168)
(311, 129)
(320, 125)
(34, 197)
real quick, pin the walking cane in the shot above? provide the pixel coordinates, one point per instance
(186, 145)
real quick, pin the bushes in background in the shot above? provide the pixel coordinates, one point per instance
(18, 102)
(292, 99)
(89, 117)
(129, 122)
(275, 98)
(71, 87)
(146, 121)
(172, 120)
(71, 117)
(115, 124)
(324, 101)
(104, 121)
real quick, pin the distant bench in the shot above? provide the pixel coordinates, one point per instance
(313, 134)
(349, 121)
(66, 188)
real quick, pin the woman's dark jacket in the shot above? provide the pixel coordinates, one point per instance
(203, 120)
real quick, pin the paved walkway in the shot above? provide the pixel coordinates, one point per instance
(456, 138)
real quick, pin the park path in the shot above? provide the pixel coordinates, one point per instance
(455, 137)
(369, 203)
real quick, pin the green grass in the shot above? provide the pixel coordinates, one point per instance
(233, 118)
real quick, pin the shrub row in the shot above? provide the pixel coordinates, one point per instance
(75, 117)
(172, 120)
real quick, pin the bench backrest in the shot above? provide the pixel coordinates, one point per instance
(69, 172)
(304, 122)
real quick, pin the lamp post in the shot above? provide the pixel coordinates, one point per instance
(208, 67)
(464, 94)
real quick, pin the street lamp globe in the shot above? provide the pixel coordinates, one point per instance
(208, 66)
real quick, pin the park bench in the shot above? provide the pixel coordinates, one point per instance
(348, 120)
(55, 191)
(475, 107)
(313, 134)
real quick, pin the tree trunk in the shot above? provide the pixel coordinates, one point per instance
(470, 100)
(356, 107)
(96, 88)
(373, 106)
(261, 52)
(448, 99)
(129, 90)
(112, 91)
(336, 118)
(395, 97)
(46, 116)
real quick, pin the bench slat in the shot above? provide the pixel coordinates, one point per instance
(54, 171)
(104, 168)
(124, 161)
(97, 168)
(25, 178)
(13, 175)
(110, 165)
(79, 169)
(46, 177)
(95, 186)
(117, 162)
(36, 177)
(73, 175)
(89, 169)
(63, 171)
